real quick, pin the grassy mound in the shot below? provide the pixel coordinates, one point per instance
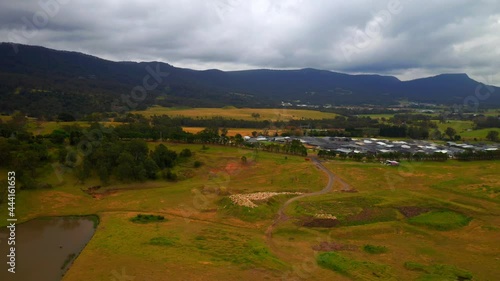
(441, 220)
(357, 270)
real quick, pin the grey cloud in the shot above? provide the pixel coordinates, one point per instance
(421, 38)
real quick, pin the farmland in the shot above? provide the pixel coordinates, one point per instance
(231, 131)
(395, 209)
(273, 114)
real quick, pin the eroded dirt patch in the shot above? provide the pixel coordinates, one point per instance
(317, 222)
(412, 211)
(333, 246)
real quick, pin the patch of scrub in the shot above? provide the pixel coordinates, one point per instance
(374, 249)
(441, 272)
(140, 218)
(357, 270)
(441, 220)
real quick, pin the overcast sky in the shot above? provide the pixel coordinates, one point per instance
(408, 39)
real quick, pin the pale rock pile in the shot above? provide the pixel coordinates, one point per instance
(325, 216)
(246, 200)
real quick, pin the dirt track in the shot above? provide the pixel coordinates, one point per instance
(282, 217)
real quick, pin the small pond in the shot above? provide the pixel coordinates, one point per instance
(46, 247)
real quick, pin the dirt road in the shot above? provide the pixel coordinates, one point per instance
(282, 217)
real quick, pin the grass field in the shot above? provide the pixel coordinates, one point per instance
(273, 114)
(198, 240)
(437, 213)
(492, 112)
(459, 126)
(478, 134)
(205, 237)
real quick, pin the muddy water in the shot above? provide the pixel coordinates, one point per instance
(45, 248)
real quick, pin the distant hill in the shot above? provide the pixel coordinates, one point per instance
(42, 81)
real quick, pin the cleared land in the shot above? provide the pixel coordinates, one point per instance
(272, 114)
(200, 239)
(207, 237)
(432, 214)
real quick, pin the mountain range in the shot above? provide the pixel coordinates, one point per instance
(45, 82)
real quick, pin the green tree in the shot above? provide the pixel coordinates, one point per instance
(185, 153)
(151, 168)
(58, 136)
(164, 157)
(125, 168)
(436, 134)
(450, 132)
(138, 149)
(103, 174)
(5, 152)
(26, 162)
(238, 139)
(492, 136)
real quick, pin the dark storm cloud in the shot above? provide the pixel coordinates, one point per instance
(403, 38)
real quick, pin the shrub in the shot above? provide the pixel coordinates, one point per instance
(372, 249)
(197, 164)
(169, 175)
(141, 218)
(185, 153)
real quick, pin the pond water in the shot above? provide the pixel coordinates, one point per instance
(45, 247)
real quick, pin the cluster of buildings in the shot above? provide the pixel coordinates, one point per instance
(349, 145)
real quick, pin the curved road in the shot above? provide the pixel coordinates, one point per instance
(282, 217)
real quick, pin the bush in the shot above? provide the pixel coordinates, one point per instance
(141, 218)
(372, 249)
(169, 175)
(197, 164)
(186, 153)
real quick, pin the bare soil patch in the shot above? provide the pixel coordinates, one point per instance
(333, 246)
(412, 211)
(315, 222)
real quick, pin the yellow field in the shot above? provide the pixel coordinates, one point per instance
(47, 127)
(273, 114)
(232, 131)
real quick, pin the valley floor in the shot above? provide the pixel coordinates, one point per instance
(418, 221)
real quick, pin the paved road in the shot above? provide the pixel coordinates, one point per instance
(282, 217)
